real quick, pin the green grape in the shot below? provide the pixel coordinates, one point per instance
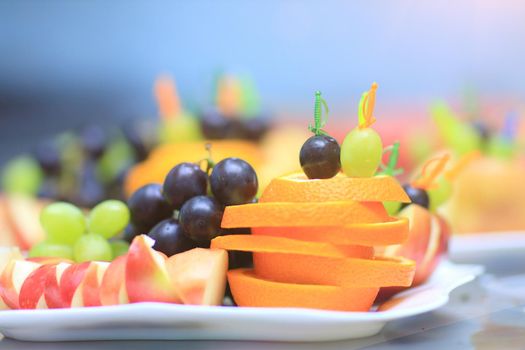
(392, 208)
(47, 249)
(63, 222)
(108, 218)
(185, 128)
(92, 247)
(440, 194)
(22, 175)
(117, 157)
(119, 247)
(361, 152)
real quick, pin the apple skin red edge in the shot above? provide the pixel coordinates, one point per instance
(196, 277)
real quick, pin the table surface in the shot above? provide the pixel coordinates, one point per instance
(488, 313)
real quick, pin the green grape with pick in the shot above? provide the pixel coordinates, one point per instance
(108, 218)
(92, 247)
(47, 249)
(63, 222)
(22, 175)
(362, 148)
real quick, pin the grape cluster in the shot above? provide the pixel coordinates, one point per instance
(186, 210)
(83, 167)
(72, 235)
(215, 126)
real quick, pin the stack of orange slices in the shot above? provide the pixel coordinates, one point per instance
(313, 243)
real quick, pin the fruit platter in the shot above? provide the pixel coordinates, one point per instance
(211, 240)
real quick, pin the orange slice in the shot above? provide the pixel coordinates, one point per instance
(248, 290)
(298, 188)
(268, 244)
(387, 233)
(303, 214)
(348, 272)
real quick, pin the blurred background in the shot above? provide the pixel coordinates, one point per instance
(64, 63)
(106, 99)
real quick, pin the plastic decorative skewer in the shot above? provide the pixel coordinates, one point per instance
(167, 98)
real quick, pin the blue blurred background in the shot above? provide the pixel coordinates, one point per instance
(63, 63)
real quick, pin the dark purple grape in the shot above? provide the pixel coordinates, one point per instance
(235, 129)
(131, 231)
(148, 206)
(214, 125)
(140, 138)
(200, 218)
(417, 196)
(115, 188)
(183, 182)
(90, 190)
(320, 157)
(169, 238)
(255, 128)
(48, 156)
(94, 140)
(233, 181)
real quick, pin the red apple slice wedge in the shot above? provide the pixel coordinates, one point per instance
(147, 278)
(12, 278)
(199, 275)
(52, 294)
(32, 290)
(113, 286)
(70, 280)
(88, 292)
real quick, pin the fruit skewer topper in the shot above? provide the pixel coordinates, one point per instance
(320, 154)
(362, 148)
(167, 97)
(390, 168)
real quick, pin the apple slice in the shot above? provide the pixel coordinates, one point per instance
(32, 290)
(88, 291)
(427, 241)
(52, 294)
(415, 247)
(7, 254)
(199, 275)
(12, 278)
(70, 280)
(7, 236)
(23, 214)
(147, 278)
(113, 286)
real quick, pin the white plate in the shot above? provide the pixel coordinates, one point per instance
(481, 246)
(171, 322)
